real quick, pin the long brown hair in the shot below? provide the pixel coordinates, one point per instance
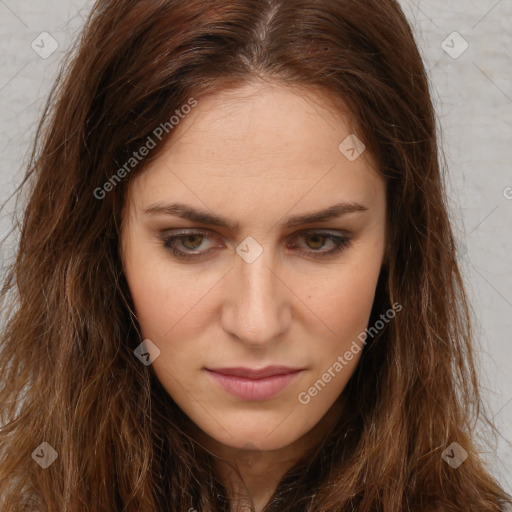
(69, 374)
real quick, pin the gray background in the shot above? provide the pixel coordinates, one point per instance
(473, 96)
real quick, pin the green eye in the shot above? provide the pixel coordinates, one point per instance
(319, 240)
(185, 244)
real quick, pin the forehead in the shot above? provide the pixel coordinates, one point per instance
(260, 140)
(270, 121)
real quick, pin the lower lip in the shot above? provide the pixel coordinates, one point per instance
(254, 389)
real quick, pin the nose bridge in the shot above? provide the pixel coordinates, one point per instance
(256, 297)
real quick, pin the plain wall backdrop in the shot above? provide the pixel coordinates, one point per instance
(466, 45)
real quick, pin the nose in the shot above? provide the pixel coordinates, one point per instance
(257, 306)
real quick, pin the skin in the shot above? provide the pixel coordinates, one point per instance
(255, 155)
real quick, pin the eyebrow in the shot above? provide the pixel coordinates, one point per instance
(185, 211)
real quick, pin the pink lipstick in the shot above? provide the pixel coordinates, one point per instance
(254, 384)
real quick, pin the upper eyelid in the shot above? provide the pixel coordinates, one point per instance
(208, 231)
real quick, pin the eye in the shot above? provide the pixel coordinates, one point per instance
(318, 240)
(188, 240)
(187, 245)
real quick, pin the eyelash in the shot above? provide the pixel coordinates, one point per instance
(341, 243)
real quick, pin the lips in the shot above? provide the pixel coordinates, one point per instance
(249, 373)
(250, 384)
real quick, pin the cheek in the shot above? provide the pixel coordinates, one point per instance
(172, 309)
(343, 304)
(343, 299)
(169, 314)
(163, 295)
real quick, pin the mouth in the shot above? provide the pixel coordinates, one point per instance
(254, 384)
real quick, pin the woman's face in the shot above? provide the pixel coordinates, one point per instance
(248, 287)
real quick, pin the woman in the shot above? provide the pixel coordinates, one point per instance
(176, 340)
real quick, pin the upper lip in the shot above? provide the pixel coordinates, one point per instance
(252, 373)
